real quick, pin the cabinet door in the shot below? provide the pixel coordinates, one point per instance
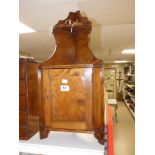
(68, 98)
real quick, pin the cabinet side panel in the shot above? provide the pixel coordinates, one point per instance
(23, 124)
(32, 86)
(98, 98)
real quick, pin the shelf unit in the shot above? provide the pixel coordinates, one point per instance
(128, 106)
(129, 88)
(129, 74)
(129, 85)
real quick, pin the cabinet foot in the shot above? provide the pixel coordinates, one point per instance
(43, 133)
(99, 134)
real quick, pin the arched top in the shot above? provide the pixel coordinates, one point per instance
(75, 20)
(72, 42)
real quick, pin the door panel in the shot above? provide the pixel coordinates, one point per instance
(69, 101)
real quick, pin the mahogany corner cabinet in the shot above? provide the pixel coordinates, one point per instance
(71, 82)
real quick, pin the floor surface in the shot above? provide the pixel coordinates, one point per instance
(124, 131)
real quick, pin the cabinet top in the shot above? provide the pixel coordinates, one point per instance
(27, 59)
(72, 42)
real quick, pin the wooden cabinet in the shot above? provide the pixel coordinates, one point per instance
(28, 98)
(71, 82)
